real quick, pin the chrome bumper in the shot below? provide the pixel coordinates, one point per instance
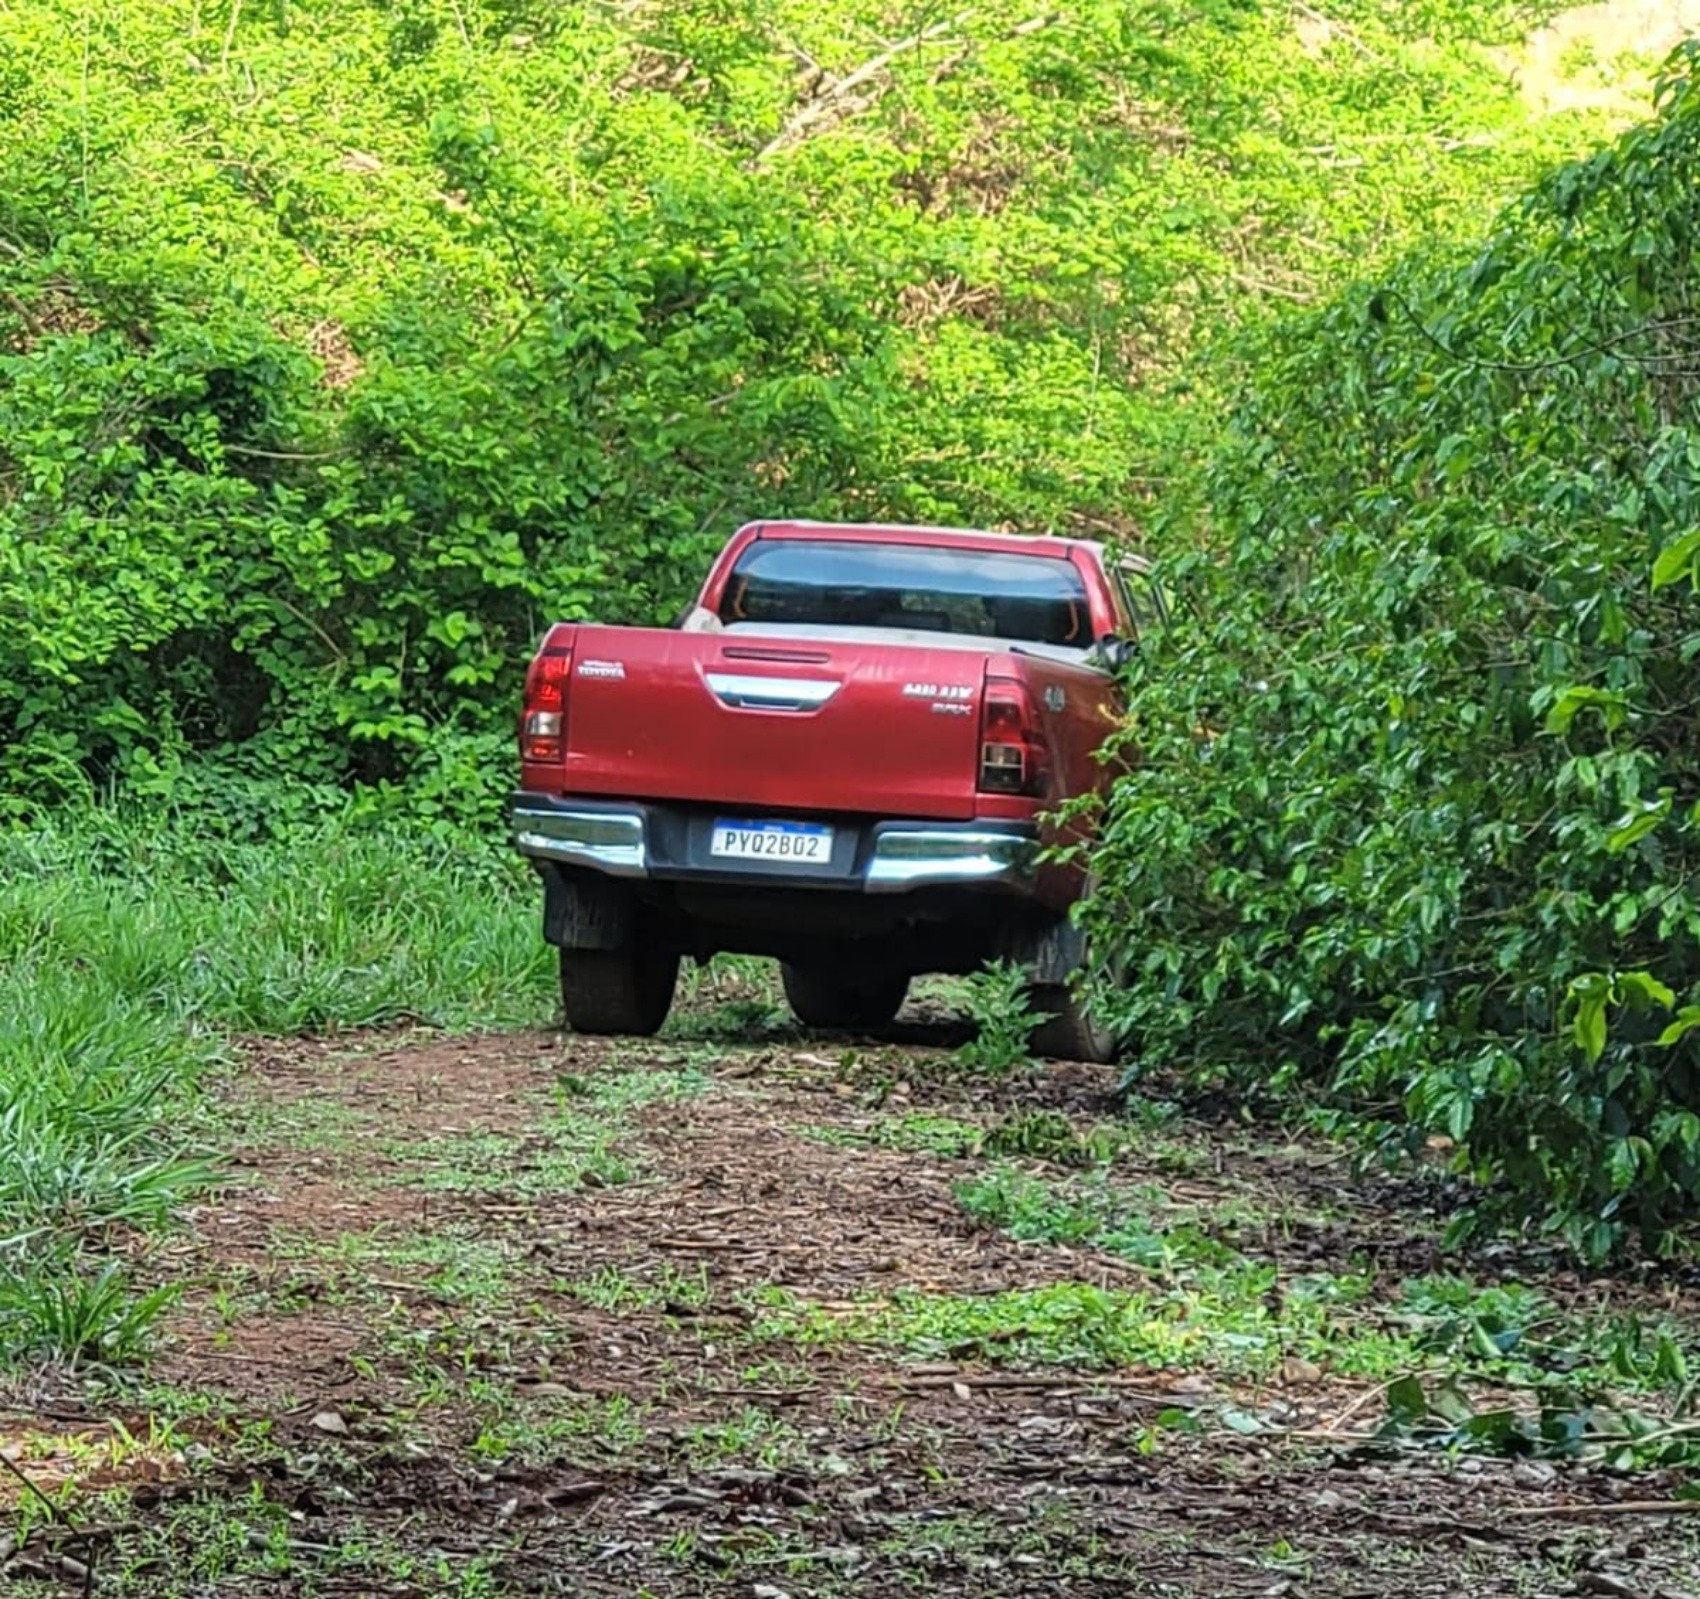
(605, 841)
(914, 857)
(897, 856)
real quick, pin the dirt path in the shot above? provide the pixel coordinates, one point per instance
(524, 1316)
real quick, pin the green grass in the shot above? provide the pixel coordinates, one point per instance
(1116, 1218)
(666, 1288)
(618, 1091)
(1050, 1136)
(132, 951)
(454, 1268)
(1038, 1135)
(731, 999)
(581, 1153)
(531, 1429)
(915, 1132)
(585, 1142)
(1198, 1304)
(1221, 1321)
(328, 928)
(213, 1543)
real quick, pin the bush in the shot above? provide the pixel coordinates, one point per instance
(1423, 762)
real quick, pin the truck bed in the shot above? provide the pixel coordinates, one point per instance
(792, 721)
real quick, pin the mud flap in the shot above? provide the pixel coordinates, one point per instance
(584, 912)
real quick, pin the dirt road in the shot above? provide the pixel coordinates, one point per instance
(525, 1315)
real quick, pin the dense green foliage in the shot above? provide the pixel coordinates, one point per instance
(131, 951)
(341, 346)
(1416, 801)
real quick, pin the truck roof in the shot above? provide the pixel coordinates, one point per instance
(961, 538)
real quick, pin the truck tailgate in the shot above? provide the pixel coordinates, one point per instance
(782, 725)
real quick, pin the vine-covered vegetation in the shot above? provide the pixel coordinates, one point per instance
(1414, 814)
(343, 345)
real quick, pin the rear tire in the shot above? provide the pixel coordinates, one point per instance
(1070, 1030)
(618, 990)
(848, 996)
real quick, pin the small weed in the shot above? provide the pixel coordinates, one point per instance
(1452, 1315)
(1512, 1328)
(168, 1404)
(1228, 1320)
(631, 1088)
(1114, 1218)
(1149, 1115)
(585, 1144)
(78, 1312)
(999, 1005)
(451, 1359)
(916, 1132)
(214, 1542)
(1049, 1135)
(455, 1269)
(777, 1374)
(754, 1437)
(1568, 1421)
(1175, 1159)
(312, 1123)
(613, 1289)
(731, 998)
(735, 1021)
(578, 1149)
(526, 1428)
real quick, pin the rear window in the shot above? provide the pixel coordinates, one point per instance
(1037, 599)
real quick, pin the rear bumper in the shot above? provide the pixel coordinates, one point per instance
(669, 843)
(605, 840)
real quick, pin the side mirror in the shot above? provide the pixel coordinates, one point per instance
(1115, 652)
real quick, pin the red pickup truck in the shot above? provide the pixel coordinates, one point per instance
(842, 755)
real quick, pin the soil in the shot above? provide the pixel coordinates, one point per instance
(605, 1414)
(1601, 56)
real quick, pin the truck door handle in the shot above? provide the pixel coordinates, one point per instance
(743, 692)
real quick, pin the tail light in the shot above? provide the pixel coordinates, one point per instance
(543, 723)
(1013, 758)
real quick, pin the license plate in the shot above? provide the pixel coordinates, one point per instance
(805, 843)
